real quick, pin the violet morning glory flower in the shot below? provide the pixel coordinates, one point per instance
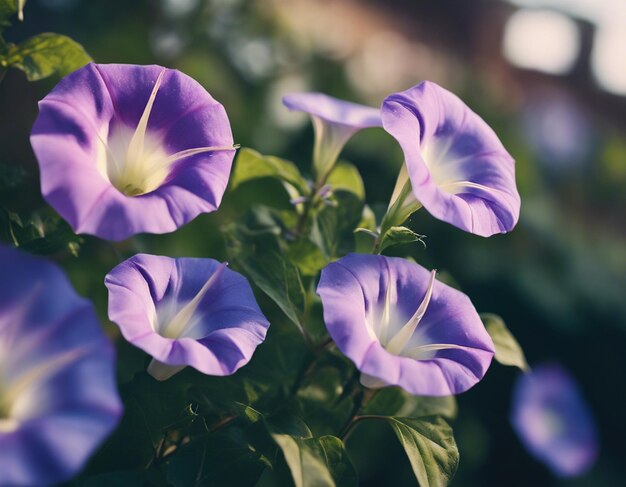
(186, 311)
(400, 326)
(335, 122)
(58, 398)
(553, 421)
(458, 168)
(126, 149)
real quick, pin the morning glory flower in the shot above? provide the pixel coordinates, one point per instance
(186, 311)
(58, 397)
(334, 122)
(553, 421)
(458, 168)
(400, 326)
(126, 149)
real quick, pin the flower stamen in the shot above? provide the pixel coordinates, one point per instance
(386, 315)
(424, 352)
(200, 150)
(456, 187)
(136, 145)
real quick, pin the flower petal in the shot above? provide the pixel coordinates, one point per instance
(459, 170)
(334, 110)
(57, 415)
(335, 122)
(354, 295)
(146, 291)
(553, 421)
(71, 139)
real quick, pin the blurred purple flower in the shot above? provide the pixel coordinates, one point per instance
(335, 122)
(553, 421)
(126, 149)
(402, 327)
(185, 312)
(58, 397)
(458, 168)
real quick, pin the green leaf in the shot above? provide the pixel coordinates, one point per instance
(252, 165)
(430, 446)
(150, 407)
(225, 458)
(317, 462)
(395, 401)
(124, 478)
(313, 462)
(345, 176)
(40, 232)
(46, 54)
(325, 397)
(366, 233)
(508, 350)
(257, 253)
(235, 453)
(445, 406)
(9, 8)
(290, 425)
(248, 412)
(266, 380)
(403, 203)
(162, 404)
(307, 256)
(11, 176)
(333, 229)
(399, 235)
(368, 220)
(279, 279)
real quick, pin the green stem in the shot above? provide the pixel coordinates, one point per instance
(118, 255)
(355, 420)
(310, 203)
(222, 423)
(309, 363)
(163, 451)
(320, 347)
(302, 219)
(364, 397)
(307, 366)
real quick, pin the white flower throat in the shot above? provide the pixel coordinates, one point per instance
(176, 321)
(136, 161)
(445, 167)
(173, 321)
(394, 333)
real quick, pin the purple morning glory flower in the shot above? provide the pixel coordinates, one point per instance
(334, 121)
(58, 397)
(126, 149)
(400, 326)
(185, 312)
(553, 421)
(458, 168)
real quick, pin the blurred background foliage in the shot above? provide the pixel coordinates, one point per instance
(559, 280)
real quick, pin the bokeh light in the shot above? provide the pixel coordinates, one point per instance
(541, 39)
